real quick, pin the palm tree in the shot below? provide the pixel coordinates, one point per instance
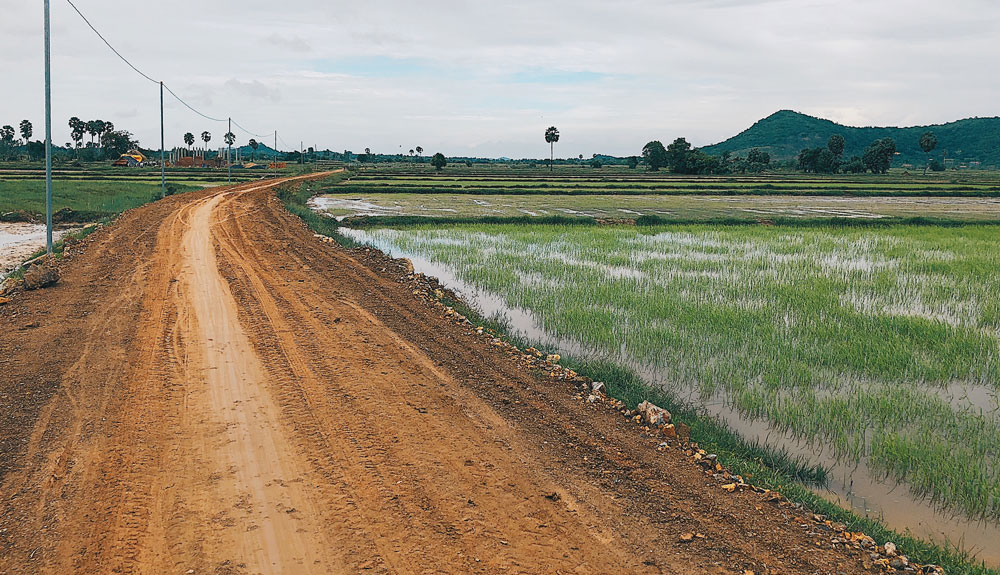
(189, 140)
(229, 138)
(91, 127)
(420, 150)
(253, 146)
(99, 127)
(108, 128)
(928, 142)
(206, 137)
(26, 131)
(551, 136)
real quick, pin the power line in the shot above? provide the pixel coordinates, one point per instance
(189, 107)
(247, 131)
(144, 75)
(130, 65)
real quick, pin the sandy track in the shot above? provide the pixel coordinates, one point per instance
(228, 395)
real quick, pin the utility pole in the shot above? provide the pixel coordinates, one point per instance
(276, 152)
(163, 165)
(48, 137)
(229, 149)
(302, 152)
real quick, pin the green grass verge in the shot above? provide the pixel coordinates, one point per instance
(77, 201)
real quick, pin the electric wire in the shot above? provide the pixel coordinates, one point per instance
(189, 107)
(108, 44)
(144, 75)
(235, 123)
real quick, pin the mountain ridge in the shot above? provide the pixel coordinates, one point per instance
(786, 132)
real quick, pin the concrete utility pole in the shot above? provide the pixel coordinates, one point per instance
(163, 165)
(276, 152)
(48, 137)
(229, 149)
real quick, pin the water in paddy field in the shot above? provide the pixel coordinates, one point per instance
(852, 485)
(18, 241)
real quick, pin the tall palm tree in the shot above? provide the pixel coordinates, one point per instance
(26, 131)
(99, 126)
(420, 150)
(552, 136)
(253, 146)
(91, 126)
(108, 128)
(206, 137)
(189, 140)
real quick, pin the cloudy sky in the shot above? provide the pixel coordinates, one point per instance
(485, 78)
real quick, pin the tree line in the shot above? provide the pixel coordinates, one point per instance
(877, 157)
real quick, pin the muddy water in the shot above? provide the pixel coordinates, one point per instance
(850, 485)
(18, 241)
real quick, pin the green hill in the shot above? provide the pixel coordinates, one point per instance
(784, 134)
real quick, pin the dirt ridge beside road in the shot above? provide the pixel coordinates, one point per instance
(225, 393)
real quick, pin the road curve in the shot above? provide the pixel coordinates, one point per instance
(210, 389)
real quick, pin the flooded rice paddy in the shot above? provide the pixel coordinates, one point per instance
(873, 353)
(631, 206)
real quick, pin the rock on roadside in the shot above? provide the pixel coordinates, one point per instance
(40, 276)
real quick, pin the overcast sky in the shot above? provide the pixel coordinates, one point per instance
(486, 78)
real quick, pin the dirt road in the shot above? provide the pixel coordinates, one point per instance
(210, 389)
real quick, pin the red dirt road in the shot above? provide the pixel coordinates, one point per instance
(210, 389)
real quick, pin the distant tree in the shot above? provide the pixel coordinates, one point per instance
(229, 138)
(928, 141)
(757, 160)
(26, 131)
(116, 143)
(7, 134)
(819, 161)
(936, 166)
(368, 155)
(878, 156)
(91, 127)
(808, 158)
(633, 162)
(595, 163)
(108, 128)
(420, 151)
(836, 145)
(100, 126)
(253, 146)
(551, 137)
(678, 155)
(854, 165)
(439, 161)
(206, 137)
(654, 155)
(189, 140)
(77, 128)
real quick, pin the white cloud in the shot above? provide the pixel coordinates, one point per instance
(450, 76)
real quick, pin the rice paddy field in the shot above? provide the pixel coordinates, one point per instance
(621, 181)
(872, 348)
(99, 190)
(680, 207)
